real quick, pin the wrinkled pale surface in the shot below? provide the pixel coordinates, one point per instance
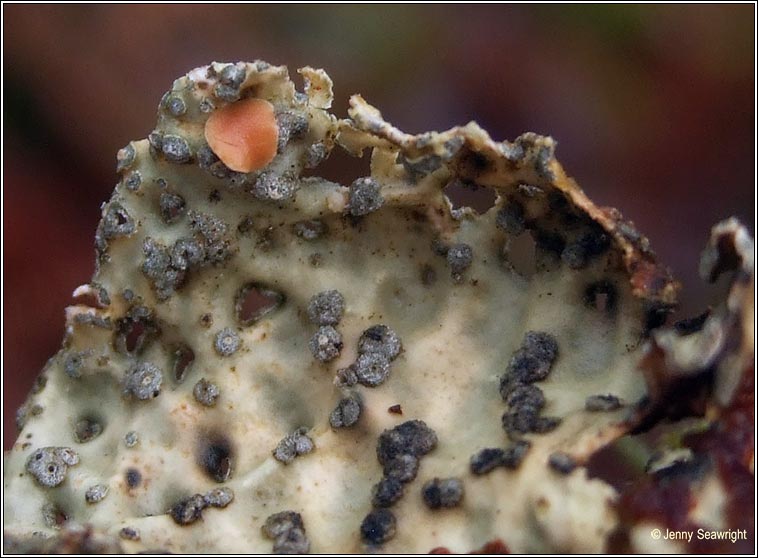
(457, 339)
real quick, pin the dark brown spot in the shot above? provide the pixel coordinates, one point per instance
(395, 409)
(549, 241)
(472, 163)
(133, 478)
(60, 517)
(254, 301)
(135, 331)
(183, 358)
(557, 202)
(216, 457)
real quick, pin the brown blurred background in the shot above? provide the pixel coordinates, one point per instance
(652, 107)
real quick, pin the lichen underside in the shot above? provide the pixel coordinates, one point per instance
(166, 389)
